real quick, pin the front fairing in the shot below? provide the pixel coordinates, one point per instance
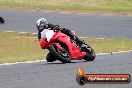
(47, 39)
(43, 43)
(51, 37)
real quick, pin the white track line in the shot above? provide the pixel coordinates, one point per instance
(45, 59)
(22, 62)
(114, 52)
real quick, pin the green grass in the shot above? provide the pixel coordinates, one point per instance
(16, 47)
(81, 5)
(109, 45)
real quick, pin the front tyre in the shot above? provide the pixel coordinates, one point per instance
(61, 55)
(50, 57)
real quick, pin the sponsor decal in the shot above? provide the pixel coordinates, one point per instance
(82, 78)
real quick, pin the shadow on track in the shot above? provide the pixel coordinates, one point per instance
(60, 63)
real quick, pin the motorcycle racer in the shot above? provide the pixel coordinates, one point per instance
(63, 45)
(43, 25)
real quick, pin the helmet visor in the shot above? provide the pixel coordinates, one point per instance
(41, 27)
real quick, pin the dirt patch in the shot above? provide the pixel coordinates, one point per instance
(69, 11)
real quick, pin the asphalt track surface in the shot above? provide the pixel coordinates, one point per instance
(84, 24)
(57, 75)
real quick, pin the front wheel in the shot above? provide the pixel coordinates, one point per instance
(61, 55)
(50, 57)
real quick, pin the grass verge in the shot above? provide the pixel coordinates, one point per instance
(16, 47)
(82, 5)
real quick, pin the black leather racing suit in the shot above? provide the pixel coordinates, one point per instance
(63, 30)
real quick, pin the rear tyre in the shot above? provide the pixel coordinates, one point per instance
(61, 55)
(91, 53)
(91, 56)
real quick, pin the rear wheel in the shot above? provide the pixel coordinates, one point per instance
(90, 56)
(61, 55)
(91, 53)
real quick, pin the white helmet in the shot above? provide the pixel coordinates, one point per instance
(42, 24)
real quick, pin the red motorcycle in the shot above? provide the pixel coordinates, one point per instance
(61, 47)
